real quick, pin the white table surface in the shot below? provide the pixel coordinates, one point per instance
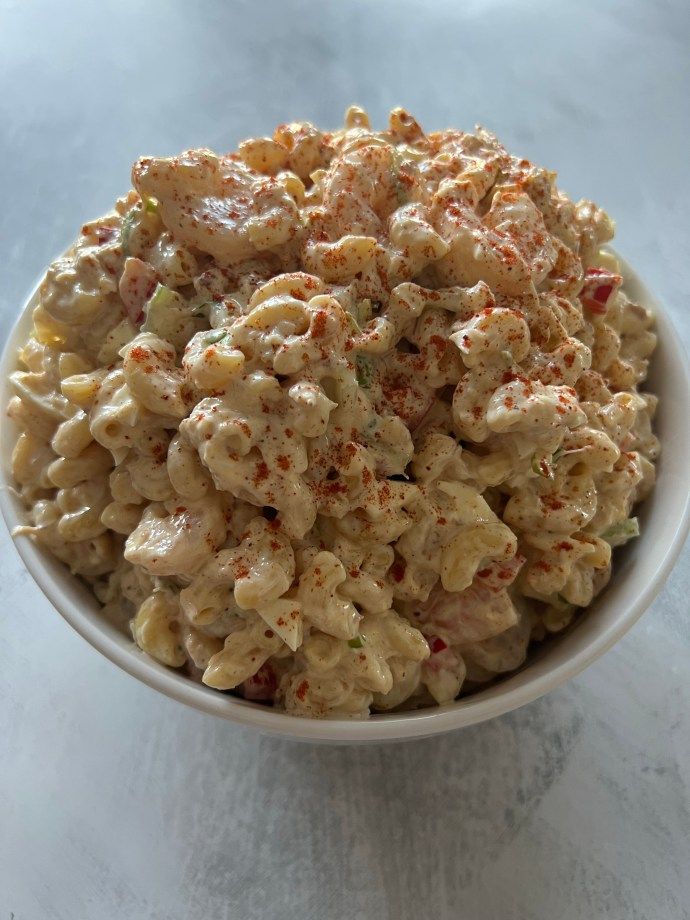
(116, 803)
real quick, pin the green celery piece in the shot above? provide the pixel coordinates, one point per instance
(352, 319)
(360, 314)
(364, 311)
(126, 231)
(215, 336)
(619, 533)
(162, 299)
(536, 468)
(365, 371)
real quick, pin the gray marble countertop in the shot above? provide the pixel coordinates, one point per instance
(119, 803)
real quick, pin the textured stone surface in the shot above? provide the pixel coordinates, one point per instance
(116, 802)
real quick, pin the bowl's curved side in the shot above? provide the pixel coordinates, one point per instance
(638, 576)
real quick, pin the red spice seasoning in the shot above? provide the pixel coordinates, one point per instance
(261, 473)
(397, 570)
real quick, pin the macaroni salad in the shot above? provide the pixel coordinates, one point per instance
(342, 421)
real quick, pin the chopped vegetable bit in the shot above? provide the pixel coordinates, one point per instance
(357, 642)
(162, 297)
(599, 287)
(156, 310)
(401, 160)
(363, 311)
(620, 533)
(365, 371)
(545, 466)
(353, 322)
(436, 644)
(215, 336)
(126, 230)
(151, 205)
(561, 603)
(542, 467)
(359, 314)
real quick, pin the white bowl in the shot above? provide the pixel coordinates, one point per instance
(639, 572)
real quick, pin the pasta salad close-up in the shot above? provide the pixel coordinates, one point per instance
(343, 421)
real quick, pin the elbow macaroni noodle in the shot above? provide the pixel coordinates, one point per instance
(342, 421)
